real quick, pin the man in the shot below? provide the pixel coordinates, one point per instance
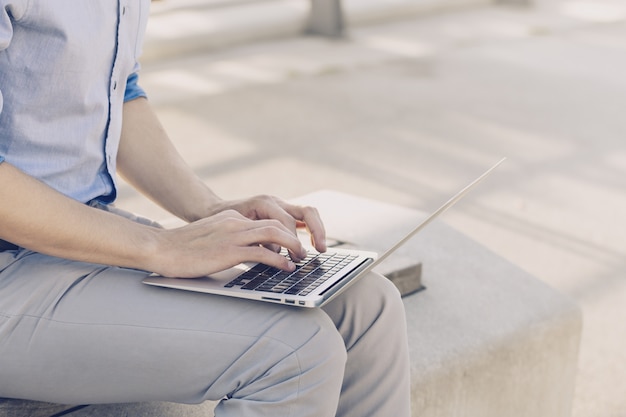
(77, 325)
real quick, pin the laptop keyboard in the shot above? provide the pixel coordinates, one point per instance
(309, 274)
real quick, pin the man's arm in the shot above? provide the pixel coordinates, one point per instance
(35, 216)
(148, 160)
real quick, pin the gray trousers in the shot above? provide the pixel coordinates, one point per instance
(79, 333)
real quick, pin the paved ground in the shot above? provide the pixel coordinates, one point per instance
(411, 110)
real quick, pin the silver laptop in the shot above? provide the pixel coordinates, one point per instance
(317, 279)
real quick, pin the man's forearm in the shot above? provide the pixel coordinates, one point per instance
(148, 160)
(35, 216)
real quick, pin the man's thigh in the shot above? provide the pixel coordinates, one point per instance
(83, 333)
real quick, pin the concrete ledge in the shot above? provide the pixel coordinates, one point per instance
(157, 409)
(486, 337)
(20, 408)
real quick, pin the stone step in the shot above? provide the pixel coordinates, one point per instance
(176, 29)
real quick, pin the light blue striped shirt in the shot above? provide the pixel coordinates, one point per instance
(66, 68)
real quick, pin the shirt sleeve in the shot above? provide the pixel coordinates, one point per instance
(133, 90)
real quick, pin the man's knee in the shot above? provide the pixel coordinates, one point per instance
(301, 363)
(318, 343)
(373, 293)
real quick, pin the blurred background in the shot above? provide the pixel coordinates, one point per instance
(405, 101)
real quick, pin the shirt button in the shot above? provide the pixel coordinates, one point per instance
(123, 10)
(114, 85)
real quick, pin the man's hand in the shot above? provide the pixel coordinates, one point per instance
(291, 216)
(221, 241)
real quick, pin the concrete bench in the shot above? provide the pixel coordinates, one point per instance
(18, 408)
(486, 338)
